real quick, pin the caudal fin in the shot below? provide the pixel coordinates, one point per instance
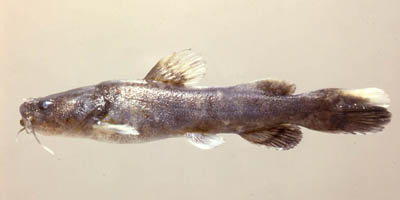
(351, 111)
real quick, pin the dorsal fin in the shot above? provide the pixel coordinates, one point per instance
(282, 137)
(270, 87)
(180, 68)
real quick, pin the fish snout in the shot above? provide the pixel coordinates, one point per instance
(26, 109)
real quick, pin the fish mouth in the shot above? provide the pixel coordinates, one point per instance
(26, 124)
(28, 128)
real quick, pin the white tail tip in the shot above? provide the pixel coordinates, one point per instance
(374, 96)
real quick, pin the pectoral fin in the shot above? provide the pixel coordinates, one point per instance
(181, 68)
(123, 129)
(204, 141)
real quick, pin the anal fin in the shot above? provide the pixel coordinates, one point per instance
(281, 137)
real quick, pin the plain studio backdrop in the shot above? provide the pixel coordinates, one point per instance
(52, 46)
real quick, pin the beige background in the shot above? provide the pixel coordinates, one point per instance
(50, 46)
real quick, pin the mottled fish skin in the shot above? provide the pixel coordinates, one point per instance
(265, 112)
(158, 110)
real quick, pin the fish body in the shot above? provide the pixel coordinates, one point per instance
(157, 110)
(265, 112)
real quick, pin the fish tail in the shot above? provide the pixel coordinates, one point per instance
(348, 111)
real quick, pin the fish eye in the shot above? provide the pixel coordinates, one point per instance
(43, 105)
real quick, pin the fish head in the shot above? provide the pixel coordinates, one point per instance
(59, 113)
